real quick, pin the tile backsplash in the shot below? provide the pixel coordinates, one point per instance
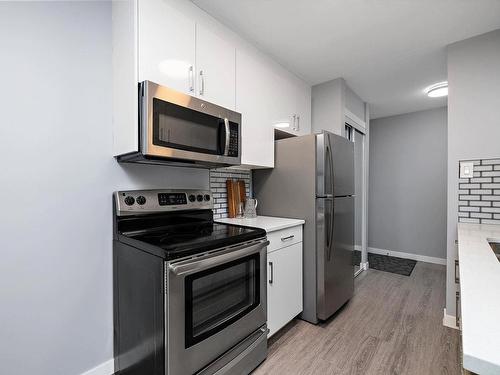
(479, 197)
(218, 179)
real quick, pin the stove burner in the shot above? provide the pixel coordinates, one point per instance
(180, 234)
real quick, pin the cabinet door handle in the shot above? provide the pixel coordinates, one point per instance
(298, 123)
(287, 238)
(457, 277)
(294, 122)
(457, 306)
(191, 79)
(271, 279)
(202, 83)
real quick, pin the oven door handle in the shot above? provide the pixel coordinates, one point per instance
(213, 260)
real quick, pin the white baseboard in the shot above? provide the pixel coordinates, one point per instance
(105, 368)
(417, 257)
(449, 320)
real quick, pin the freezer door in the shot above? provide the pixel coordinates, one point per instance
(342, 153)
(324, 166)
(334, 166)
(334, 251)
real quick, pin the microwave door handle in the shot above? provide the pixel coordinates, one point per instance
(228, 137)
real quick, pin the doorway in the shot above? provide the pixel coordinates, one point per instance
(358, 138)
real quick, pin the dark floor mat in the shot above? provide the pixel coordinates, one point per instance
(387, 263)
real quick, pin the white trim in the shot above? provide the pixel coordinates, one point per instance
(417, 257)
(449, 320)
(105, 368)
(355, 122)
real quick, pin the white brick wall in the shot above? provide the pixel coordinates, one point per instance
(218, 179)
(479, 197)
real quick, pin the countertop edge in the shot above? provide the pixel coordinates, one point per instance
(477, 328)
(268, 223)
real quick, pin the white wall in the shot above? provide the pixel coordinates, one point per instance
(328, 106)
(408, 161)
(473, 122)
(56, 182)
(331, 101)
(354, 104)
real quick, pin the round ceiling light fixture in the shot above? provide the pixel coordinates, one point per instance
(437, 90)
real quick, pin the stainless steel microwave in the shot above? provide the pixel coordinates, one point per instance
(175, 128)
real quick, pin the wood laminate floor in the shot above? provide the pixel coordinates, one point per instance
(392, 325)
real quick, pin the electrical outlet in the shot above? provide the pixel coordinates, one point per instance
(466, 169)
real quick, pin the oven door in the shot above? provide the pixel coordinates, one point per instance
(213, 302)
(180, 127)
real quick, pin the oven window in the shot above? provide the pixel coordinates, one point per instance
(218, 297)
(186, 129)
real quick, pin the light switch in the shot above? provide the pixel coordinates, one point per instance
(466, 169)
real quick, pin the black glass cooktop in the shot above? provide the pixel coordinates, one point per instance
(191, 238)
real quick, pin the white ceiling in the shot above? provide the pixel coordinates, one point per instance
(388, 51)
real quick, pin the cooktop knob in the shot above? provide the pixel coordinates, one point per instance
(199, 197)
(192, 198)
(207, 197)
(140, 200)
(129, 201)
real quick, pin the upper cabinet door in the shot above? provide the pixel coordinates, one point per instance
(291, 103)
(215, 68)
(255, 101)
(303, 107)
(166, 46)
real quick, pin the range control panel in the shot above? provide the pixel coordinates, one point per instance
(135, 202)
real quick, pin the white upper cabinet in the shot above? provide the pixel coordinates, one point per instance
(175, 52)
(215, 68)
(294, 103)
(267, 96)
(303, 107)
(255, 103)
(166, 46)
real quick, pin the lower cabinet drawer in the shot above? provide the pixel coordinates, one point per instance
(284, 286)
(284, 237)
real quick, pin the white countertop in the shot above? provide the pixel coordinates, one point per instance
(268, 223)
(480, 297)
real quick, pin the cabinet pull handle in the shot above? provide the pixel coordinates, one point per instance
(457, 303)
(272, 273)
(191, 79)
(202, 83)
(287, 238)
(298, 123)
(457, 277)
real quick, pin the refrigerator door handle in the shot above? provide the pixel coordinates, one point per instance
(330, 168)
(327, 226)
(329, 241)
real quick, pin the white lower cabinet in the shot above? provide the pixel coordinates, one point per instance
(284, 286)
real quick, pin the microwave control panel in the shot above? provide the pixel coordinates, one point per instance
(233, 140)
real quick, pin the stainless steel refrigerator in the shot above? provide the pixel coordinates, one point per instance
(313, 179)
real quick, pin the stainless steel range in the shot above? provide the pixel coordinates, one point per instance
(189, 294)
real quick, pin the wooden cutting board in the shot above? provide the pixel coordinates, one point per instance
(236, 194)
